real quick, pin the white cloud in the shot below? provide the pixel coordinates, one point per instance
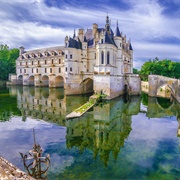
(44, 26)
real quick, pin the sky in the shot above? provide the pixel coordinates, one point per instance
(153, 26)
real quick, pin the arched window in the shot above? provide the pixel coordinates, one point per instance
(108, 57)
(102, 57)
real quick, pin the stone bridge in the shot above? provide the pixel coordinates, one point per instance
(157, 82)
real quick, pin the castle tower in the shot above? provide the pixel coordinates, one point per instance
(118, 41)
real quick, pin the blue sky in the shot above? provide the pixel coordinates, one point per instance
(152, 25)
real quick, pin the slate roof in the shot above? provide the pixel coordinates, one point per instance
(91, 42)
(89, 34)
(109, 39)
(130, 47)
(75, 44)
(117, 32)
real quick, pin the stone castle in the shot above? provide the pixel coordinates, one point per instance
(96, 60)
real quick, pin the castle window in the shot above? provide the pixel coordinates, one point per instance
(95, 56)
(66, 69)
(59, 61)
(45, 62)
(120, 44)
(50, 70)
(20, 63)
(108, 57)
(66, 56)
(38, 62)
(32, 70)
(26, 64)
(32, 62)
(45, 70)
(101, 41)
(59, 70)
(102, 57)
(70, 68)
(36, 70)
(71, 56)
(52, 61)
(20, 70)
(24, 70)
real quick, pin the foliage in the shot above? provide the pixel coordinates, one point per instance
(8, 106)
(7, 61)
(135, 71)
(160, 67)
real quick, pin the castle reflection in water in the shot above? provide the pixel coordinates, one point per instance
(103, 129)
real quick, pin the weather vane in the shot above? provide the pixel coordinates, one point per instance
(35, 164)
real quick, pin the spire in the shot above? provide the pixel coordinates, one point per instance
(130, 47)
(107, 26)
(74, 34)
(117, 32)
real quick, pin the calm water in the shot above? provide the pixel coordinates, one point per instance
(117, 139)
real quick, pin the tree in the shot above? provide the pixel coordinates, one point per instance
(135, 71)
(160, 67)
(7, 61)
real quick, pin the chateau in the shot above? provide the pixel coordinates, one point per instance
(96, 60)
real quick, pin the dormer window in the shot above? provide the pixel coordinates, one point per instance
(27, 56)
(32, 55)
(46, 54)
(39, 54)
(70, 56)
(53, 53)
(60, 53)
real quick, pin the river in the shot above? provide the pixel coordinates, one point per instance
(136, 138)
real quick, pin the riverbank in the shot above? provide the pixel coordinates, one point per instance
(10, 172)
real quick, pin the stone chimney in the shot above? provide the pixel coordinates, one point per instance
(21, 50)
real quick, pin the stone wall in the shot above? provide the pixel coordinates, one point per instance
(134, 83)
(114, 86)
(144, 86)
(158, 83)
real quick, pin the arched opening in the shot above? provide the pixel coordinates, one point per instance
(87, 86)
(20, 79)
(45, 80)
(164, 103)
(108, 58)
(59, 81)
(165, 91)
(102, 57)
(31, 80)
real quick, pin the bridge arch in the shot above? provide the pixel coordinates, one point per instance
(59, 81)
(45, 80)
(20, 79)
(87, 85)
(164, 104)
(31, 80)
(165, 90)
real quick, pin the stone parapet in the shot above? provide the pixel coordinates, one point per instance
(10, 172)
